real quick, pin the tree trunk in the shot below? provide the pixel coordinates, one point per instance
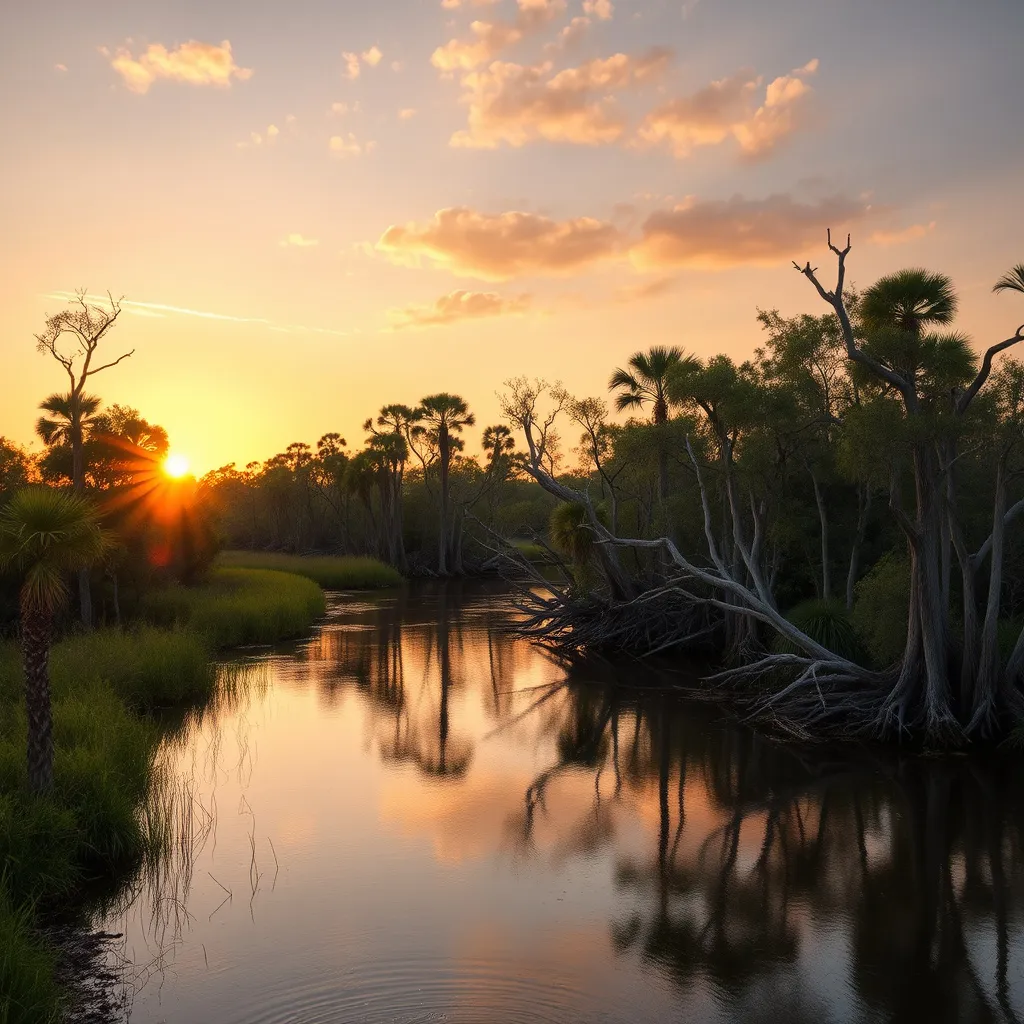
(982, 707)
(78, 484)
(863, 509)
(826, 575)
(36, 636)
(442, 539)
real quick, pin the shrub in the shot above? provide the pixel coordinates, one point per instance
(332, 572)
(880, 612)
(829, 624)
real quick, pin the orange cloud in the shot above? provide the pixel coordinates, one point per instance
(600, 9)
(298, 241)
(407, 113)
(722, 233)
(459, 305)
(349, 145)
(517, 104)
(497, 247)
(726, 109)
(489, 38)
(194, 62)
(452, 5)
(908, 234)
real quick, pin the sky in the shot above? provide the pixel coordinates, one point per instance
(314, 209)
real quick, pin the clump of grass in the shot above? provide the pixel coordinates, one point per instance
(235, 607)
(332, 572)
(28, 992)
(827, 622)
(147, 667)
(531, 550)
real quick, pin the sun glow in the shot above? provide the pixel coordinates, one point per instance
(176, 466)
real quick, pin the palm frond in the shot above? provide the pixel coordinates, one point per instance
(1011, 281)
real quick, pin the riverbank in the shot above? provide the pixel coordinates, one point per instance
(332, 572)
(104, 685)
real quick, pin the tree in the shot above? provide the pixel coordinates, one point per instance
(85, 324)
(646, 383)
(445, 416)
(15, 467)
(45, 535)
(936, 381)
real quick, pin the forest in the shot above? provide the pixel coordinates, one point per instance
(829, 524)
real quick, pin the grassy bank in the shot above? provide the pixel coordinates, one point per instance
(239, 606)
(332, 572)
(89, 827)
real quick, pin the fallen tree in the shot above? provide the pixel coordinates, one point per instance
(944, 691)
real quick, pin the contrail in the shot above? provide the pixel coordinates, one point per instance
(160, 308)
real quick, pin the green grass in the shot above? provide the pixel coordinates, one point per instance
(236, 606)
(28, 992)
(531, 550)
(332, 572)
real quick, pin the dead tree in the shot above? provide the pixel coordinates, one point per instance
(83, 325)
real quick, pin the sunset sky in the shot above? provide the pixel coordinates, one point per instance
(315, 208)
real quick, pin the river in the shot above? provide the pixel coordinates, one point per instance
(412, 817)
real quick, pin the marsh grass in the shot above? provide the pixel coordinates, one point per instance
(237, 607)
(28, 991)
(114, 812)
(332, 572)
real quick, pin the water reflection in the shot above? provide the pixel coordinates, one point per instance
(466, 833)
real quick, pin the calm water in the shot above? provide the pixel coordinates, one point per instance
(410, 819)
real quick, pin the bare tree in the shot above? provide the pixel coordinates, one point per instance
(72, 337)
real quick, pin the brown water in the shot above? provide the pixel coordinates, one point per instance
(410, 819)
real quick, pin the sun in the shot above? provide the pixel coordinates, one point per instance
(176, 466)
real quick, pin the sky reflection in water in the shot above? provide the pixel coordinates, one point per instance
(390, 838)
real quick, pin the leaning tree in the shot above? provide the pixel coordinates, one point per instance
(932, 394)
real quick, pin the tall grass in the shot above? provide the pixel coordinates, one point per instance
(332, 572)
(28, 992)
(236, 607)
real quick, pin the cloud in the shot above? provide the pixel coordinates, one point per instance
(354, 62)
(517, 104)
(600, 9)
(60, 67)
(349, 145)
(341, 107)
(273, 131)
(459, 305)
(453, 5)
(728, 108)
(298, 241)
(898, 237)
(712, 234)
(194, 62)
(497, 247)
(488, 38)
(407, 113)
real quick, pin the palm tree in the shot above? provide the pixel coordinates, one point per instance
(65, 427)
(44, 535)
(645, 383)
(909, 300)
(1011, 281)
(445, 415)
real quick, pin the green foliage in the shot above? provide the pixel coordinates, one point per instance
(880, 610)
(44, 535)
(147, 667)
(332, 572)
(827, 622)
(28, 991)
(240, 606)
(570, 531)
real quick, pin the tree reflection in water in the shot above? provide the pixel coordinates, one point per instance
(915, 857)
(915, 863)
